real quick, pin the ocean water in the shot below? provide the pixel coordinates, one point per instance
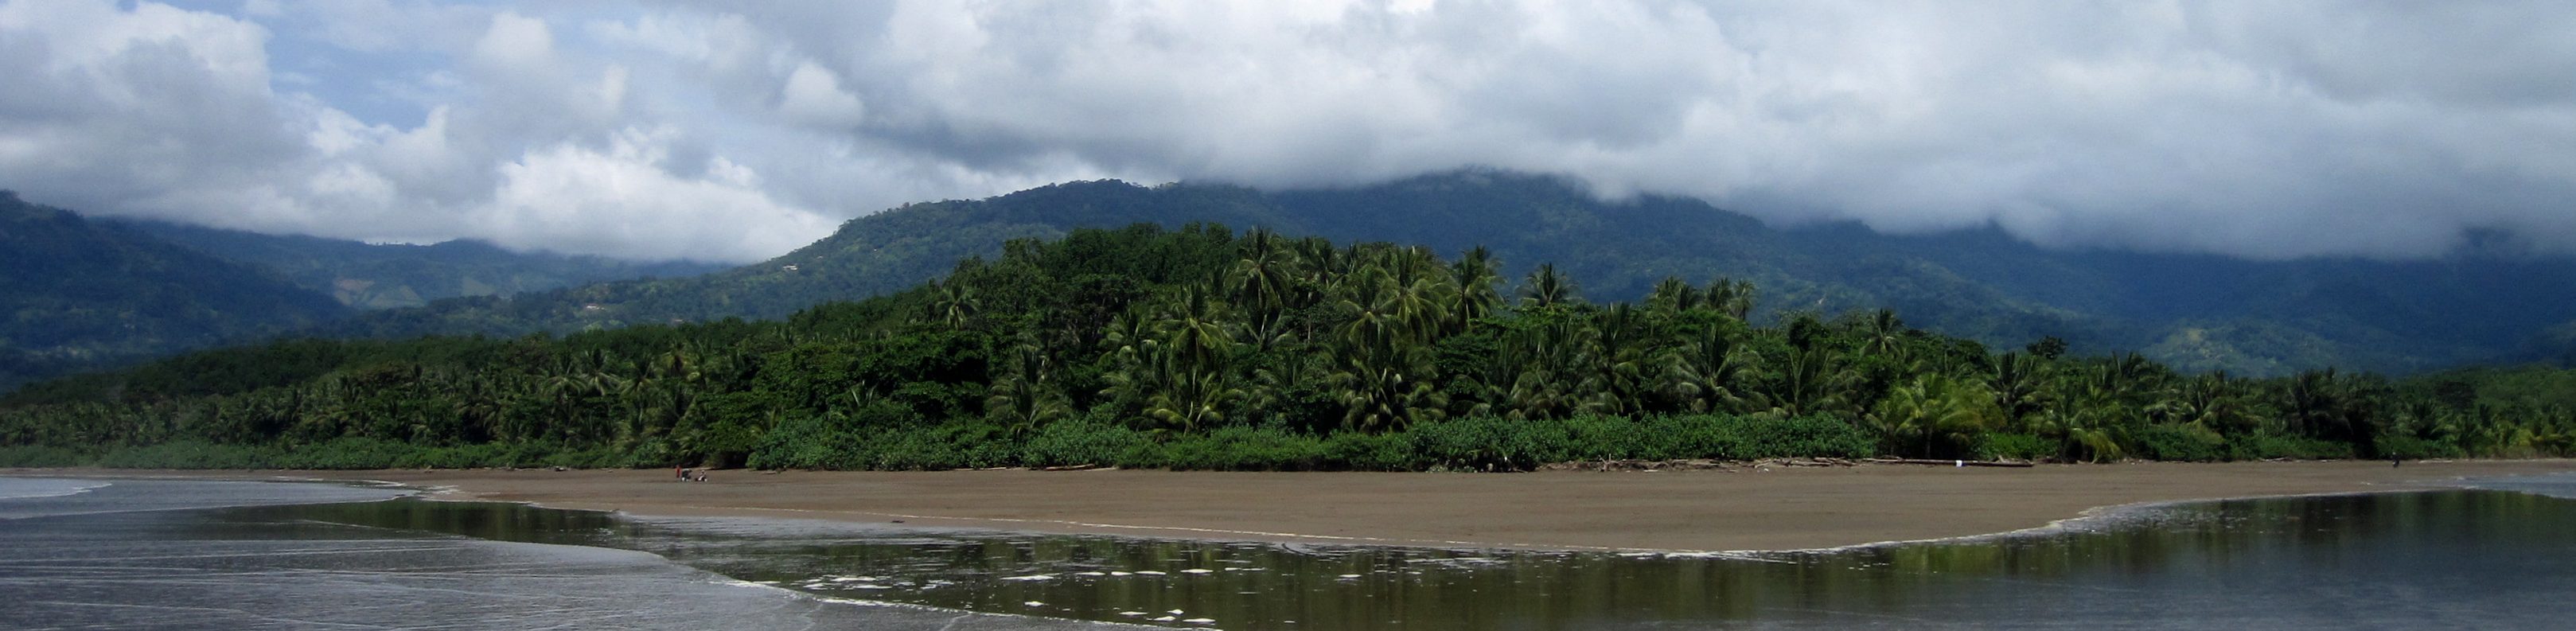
(2497, 554)
(149, 554)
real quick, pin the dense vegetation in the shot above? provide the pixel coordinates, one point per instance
(76, 294)
(379, 276)
(1201, 348)
(2195, 313)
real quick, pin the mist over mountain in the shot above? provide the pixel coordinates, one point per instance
(85, 294)
(2196, 312)
(386, 275)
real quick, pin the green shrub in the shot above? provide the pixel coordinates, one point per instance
(345, 454)
(2182, 443)
(1244, 449)
(1085, 440)
(1490, 443)
(2413, 448)
(1360, 451)
(808, 442)
(1801, 436)
(1592, 437)
(190, 455)
(2017, 447)
(41, 456)
(2265, 446)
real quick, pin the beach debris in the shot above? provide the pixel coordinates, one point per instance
(1695, 464)
(1952, 463)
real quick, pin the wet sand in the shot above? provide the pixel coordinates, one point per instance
(1778, 508)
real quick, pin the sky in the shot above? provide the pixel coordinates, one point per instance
(736, 131)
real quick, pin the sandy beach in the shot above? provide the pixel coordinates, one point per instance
(1775, 508)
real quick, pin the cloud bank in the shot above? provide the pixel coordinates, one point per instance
(738, 130)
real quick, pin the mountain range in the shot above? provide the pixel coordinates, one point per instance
(2193, 311)
(82, 293)
(391, 275)
(90, 292)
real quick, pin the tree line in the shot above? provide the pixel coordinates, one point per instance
(1205, 348)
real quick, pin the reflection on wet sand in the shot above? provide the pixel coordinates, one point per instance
(2433, 558)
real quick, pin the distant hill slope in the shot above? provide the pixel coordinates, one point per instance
(380, 276)
(80, 294)
(878, 253)
(2194, 312)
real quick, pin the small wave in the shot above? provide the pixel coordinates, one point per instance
(2560, 485)
(28, 488)
(881, 604)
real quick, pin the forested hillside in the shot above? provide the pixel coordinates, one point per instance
(1202, 348)
(2197, 313)
(379, 276)
(79, 294)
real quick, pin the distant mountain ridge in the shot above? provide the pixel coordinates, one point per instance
(382, 276)
(81, 294)
(2196, 312)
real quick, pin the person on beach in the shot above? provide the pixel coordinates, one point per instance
(681, 471)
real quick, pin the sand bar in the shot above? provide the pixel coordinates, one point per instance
(1779, 508)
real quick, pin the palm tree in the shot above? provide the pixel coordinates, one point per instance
(2208, 402)
(1883, 335)
(1190, 398)
(1814, 380)
(1672, 295)
(1712, 373)
(954, 304)
(1385, 396)
(1618, 362)
(1936, 416)
(1022, 398)
(2018, 383)
(1547, 287)
(1472, 281)
(1733, 297)
(1261, 281)
(2087, 418)
(1194, 329)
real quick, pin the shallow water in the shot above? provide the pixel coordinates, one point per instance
(136, 554)
(2450, 559)
(2445, 559)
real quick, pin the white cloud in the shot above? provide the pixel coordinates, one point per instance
(2209, 126)
(813, 96)
(608, 200)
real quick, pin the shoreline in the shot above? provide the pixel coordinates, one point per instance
(1713, 512)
